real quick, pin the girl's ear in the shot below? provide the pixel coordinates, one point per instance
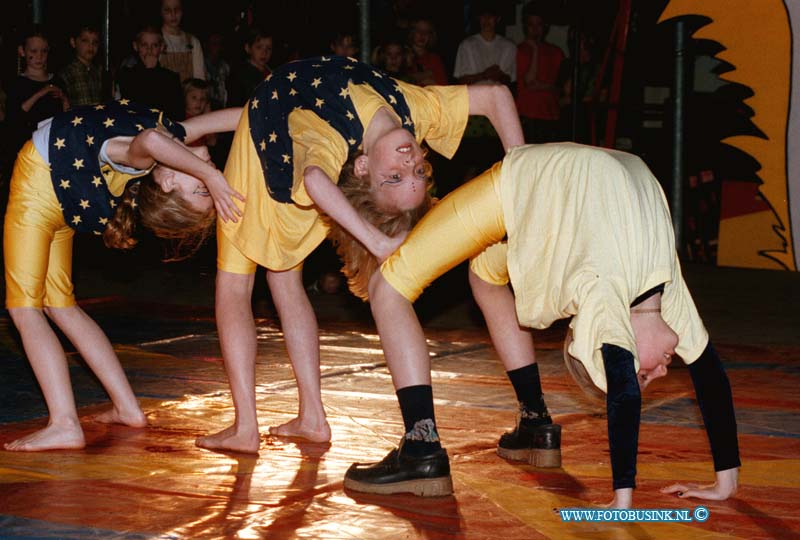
(165, 178)
(360, 166)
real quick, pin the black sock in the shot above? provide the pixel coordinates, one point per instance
(416, 405)
(528, 387)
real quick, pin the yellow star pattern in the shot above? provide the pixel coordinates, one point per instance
(345, 92)
(274, 94)
(292, 92)
(84, 204)
(316, 82)
(133, 203)
(286, 158)
(97, 181)
(268, 77)
(103, 221)
(89, 140)
(349, 67)
(350, 115)
(77, 121)
(392, 99)
(273, 137)
(139, 127)
(76, 220)
(263, 145)
(78, 163)
(154, 110)
(99, 107)
(397, 87)
(292, 76)
(352, 59)
(352, 141)
(108, 122)
(124, 101)
(325, 59)
(64, 184)
(254, 103)
(59, 143)
(319, 103)
(378, 75)
(113, 203)
(407, 121)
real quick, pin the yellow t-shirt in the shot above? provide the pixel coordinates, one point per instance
(279, 236)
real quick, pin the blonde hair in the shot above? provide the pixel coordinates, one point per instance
(168, 215)
(359, 263)
(577, 370)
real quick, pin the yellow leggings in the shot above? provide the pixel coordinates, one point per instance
(37, 243)
(468, 223)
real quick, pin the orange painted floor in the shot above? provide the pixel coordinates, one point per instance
(154, 483)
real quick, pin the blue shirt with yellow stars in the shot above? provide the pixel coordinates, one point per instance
(76, 137)
(319, 85)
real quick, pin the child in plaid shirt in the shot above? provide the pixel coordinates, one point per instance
(83, 79)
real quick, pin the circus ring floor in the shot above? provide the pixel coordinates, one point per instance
(154, 483)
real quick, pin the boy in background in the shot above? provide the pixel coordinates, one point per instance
(83, 78)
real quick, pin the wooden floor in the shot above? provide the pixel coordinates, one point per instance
(154, 483)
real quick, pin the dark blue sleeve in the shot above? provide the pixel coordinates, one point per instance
(624, 406)
(713, 391)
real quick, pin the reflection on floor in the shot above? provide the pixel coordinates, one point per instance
(154, 483)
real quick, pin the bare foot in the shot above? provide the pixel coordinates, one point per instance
(53, 437)
(229, 440)
(297, 428)
(133, 418)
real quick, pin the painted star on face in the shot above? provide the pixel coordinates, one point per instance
(64, 184)
(262, 145)
(254, 103)
(89, 140)
(274, 94)
(108, 122)
(273, 137)
(286, 158)
(77, 121)
(124, 101)
(292, 76)
(316, 82)
(84, 204)
(59, 143)
(319, 103)
(97, 181)
(76, 220)
(78, 163)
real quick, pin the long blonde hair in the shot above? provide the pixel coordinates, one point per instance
(168, 215)
(359, 263)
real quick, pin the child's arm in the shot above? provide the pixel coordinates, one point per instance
(330, 199)
(496, 103)
(713, 391)
(213, 122)
(152, 146)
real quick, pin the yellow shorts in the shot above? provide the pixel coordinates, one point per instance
(231, 259)
(37, 243)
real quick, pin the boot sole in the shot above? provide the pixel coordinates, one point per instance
(520, 454)
(545, 458)
(424, 487)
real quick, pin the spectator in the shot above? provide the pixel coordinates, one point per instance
(35, 94)
(426, 66)
(196, 101)
(83, 78)
(147, 82)
(182, 52)
(258, 48)
(218, 70)
(538, 65)
(394, 58)
(486, 57)
(344, 44)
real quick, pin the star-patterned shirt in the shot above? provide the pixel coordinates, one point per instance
(320, 85)
(81, 184)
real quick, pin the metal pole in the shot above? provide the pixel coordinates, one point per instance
(678, 165)
(107, 37)
(38, 11)
(366, 46)
(576, 73)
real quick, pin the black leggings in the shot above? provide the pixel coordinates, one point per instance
(624, 403)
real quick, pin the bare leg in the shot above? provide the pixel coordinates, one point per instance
(237, 336)
(96, 350)
(302, 343)
(514, 344)
(403, 341)
(49, 364)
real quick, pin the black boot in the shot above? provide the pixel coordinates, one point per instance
(424, 476)
(538, 445)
